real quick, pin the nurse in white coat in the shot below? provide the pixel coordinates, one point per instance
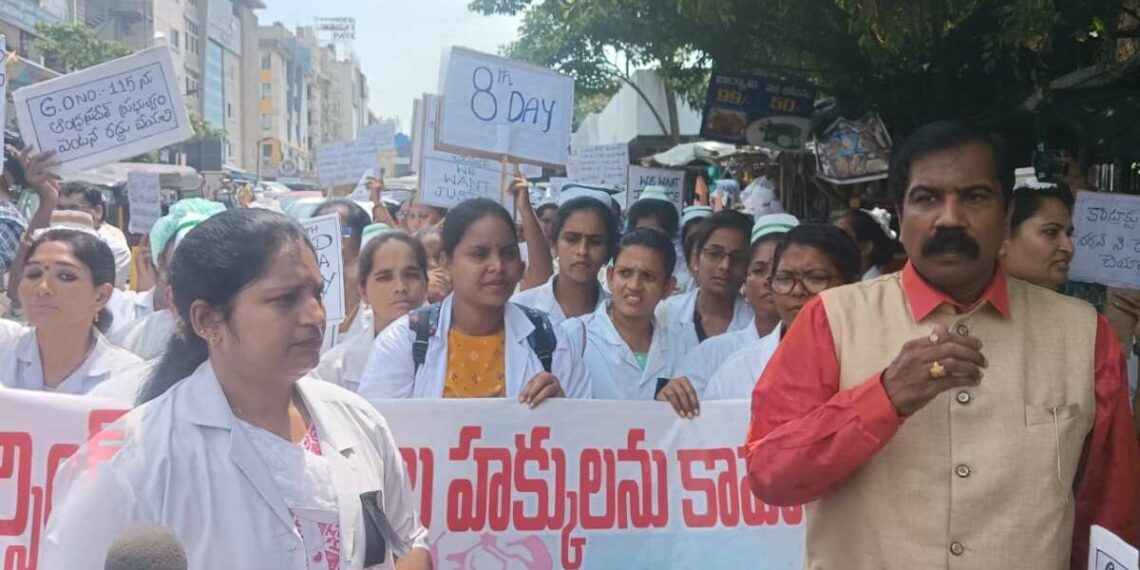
(625, 348)
(701, 362)
(691, 218)
(715, 307)
(68, 276)
(809, 259)
(248, 461)
(393, 281)
(479, 345)
(585, 235)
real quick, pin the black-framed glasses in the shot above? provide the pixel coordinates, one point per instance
(813, 283)
(718, 254)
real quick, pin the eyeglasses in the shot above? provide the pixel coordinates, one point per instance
(717, 255)
(813, 283)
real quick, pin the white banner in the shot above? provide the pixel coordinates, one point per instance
(144, 197)
(604, 164)
(109, 112)
(494, 107)
(324, 234)
(1107, 239)
(572, 484)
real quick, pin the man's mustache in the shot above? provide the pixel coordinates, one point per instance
(951, 240)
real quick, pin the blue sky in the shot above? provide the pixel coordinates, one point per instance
(399, 42)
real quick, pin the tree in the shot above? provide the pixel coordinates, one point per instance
(913, 61)
(71, 46)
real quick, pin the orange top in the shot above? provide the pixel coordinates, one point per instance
(475, 365)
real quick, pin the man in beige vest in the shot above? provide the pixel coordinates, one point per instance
(948, 416)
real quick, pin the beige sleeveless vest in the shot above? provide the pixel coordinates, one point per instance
(981, 478)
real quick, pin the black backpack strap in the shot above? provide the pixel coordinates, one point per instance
(541, 340)
(424, 322)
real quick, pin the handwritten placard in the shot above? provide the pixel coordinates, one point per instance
(673, 181)
(1110, 552)
(324, 233)
(343, 163)
(3, 81)
(109, 112)
(494, 107)
(144, 197)
(382, 136)
(446, 179)
(1107, 239)
(604, 164)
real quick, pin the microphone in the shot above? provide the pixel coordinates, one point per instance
(146, 548)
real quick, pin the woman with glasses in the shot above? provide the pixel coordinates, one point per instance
(715, 306)
(811, 258)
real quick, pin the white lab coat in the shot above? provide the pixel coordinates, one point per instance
(614, 371)
(344, 363)
(127, 307)
(390, 372)
(677, 313)
(115, 239)
(147, 337)
(9, 332)
(126, 383)
(737, 377)
(20, 365)
(701, 362)
(361, 325)
(873, 272)
(685, 281)
(185, 464)
(542, 298)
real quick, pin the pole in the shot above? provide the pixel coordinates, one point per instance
(506, 185)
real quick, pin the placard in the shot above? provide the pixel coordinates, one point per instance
(417, 134)
(760, 111)
(382, 136)
(494, 107)
(530, 171)
(109, 112)
(324, 234)
(603, 164)
(144, 197)
(343, 163)
(446, 179)
(1107, 239)
(3, 82)
(1110, 552)
(360, 193)
(673, 181)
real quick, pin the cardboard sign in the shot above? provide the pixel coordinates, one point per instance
(360, 192)
(324, 233)
(343, 163)
(382, 136)
(760, 111)
(1107, 239)
(109, 112)
(530, 171)
(144, 197)
(447, 179)
(494, 107)
(673, 181)
(604, 164)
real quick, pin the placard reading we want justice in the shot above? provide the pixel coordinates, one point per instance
(120, 109)
(446, 179)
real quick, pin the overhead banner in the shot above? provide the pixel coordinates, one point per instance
(494, 107)
(759, 111)
(109, 112)
(1106, 237)
(572, 484)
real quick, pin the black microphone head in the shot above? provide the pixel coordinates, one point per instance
(146, 548)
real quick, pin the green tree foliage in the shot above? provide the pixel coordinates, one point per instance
(913, 61)
(70, 47)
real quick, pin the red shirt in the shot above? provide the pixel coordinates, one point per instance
(808, 436)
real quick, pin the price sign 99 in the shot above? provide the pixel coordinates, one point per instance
(783, 104)
(730, 96)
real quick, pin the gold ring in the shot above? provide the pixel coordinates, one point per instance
(937, 370)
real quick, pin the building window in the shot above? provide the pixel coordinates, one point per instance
(267, 151)
(266, 121)
(175, 39)
(266, 61)
(193, 84)
(266, 90)
(193, 39)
